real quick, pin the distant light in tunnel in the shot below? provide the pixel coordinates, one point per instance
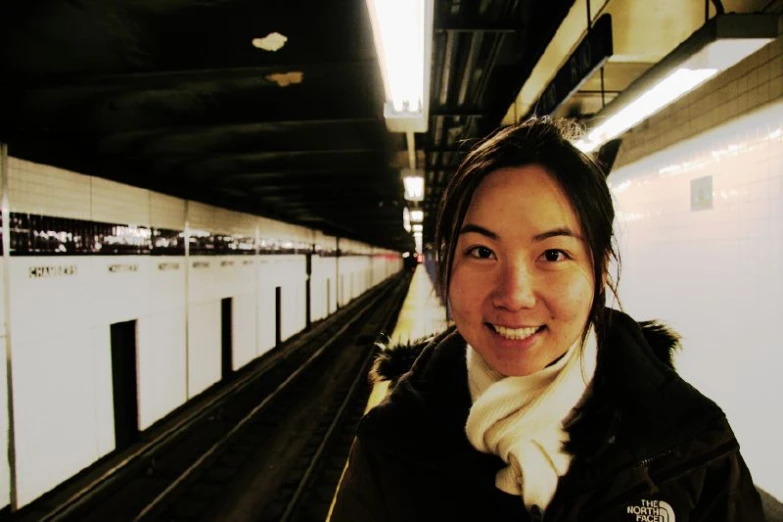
(414, 186)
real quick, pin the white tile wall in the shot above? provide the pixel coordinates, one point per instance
(58, 410)
(5, 470)
(225, 221)
(204, 355)
(243, 329)
(41, 189)
(113, 202)
(200, 216)
(716, 275)
(265, 323)
(167, 211)
(120, 288)
(161, 364)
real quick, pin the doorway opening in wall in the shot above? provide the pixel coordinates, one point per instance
(278, 316)
(124, 383)
(226, 339)
(308, 306)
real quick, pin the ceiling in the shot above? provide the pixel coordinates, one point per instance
(181, 97)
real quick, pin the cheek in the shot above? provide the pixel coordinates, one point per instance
(465, 293)
(572, 296)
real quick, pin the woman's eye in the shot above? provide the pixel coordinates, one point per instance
(480, 252)
(554, 255)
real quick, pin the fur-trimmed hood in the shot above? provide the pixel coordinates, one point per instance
(634, 381)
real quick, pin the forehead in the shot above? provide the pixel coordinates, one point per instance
(526, 197)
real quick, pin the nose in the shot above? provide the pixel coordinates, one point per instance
(515, 287)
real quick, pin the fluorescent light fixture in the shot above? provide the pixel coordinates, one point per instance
(417, 216)
(418, 228)
(414, 185)
(718, 45)
(418, 234)
(406, 219)
(402, 30)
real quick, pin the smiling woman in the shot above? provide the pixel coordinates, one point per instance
(539, 400)
(521, 283)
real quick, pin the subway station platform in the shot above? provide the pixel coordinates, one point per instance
(422, 314)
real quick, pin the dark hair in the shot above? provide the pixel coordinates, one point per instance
(545, 142)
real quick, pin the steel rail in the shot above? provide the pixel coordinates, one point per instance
(226, 439)
(360, 376)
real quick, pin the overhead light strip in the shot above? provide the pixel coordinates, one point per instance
(402, 31)
(719, 44)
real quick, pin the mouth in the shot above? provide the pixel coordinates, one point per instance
(516, 334)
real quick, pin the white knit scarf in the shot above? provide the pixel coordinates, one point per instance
(521, 419)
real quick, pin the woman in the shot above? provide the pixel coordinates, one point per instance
(540, 403)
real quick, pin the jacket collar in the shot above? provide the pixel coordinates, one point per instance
(637, 399)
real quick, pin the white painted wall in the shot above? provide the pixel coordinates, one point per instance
(290, 273)
(5, 470)
(716, 274)
(265, 296)
(161, 364)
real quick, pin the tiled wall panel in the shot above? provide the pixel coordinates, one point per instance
(204, 355)
(5, 477)
(120, 288)
(265, 296)
(243, 329)
(712, 269)
(41, 189)
(56, 409)
(161, 364)
(5, 470)
(102, 385)
(167, 211)
(112, 202)
(290, 272)
(200, 216)
(322, 274)
(167, 276)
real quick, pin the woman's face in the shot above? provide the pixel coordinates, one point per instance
(522, 282)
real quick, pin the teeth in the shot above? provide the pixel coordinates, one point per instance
(516, 334)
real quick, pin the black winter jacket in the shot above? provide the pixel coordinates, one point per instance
(647, 446)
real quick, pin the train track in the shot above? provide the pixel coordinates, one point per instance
(270, 447)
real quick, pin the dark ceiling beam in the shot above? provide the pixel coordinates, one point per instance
(299, 176)
(290, 160)
(167, 79)
(121, 140)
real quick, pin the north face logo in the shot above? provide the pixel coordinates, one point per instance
(652, 511)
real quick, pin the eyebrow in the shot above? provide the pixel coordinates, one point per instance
(560, 231)
(477, 229)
